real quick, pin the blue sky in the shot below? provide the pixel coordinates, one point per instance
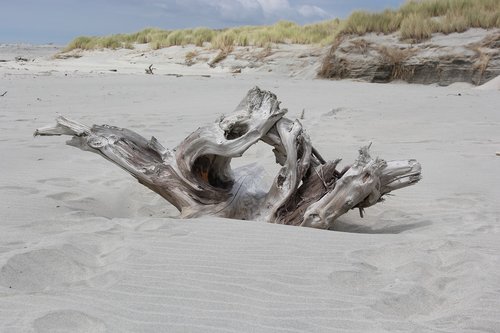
(59, 21)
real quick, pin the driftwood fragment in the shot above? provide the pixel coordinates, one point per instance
(223, 53)
(196, 177)
(150, 69)
(2, 95)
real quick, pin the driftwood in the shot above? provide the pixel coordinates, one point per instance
(196, 176)
(149, 70)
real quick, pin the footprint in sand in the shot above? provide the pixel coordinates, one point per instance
(82, 259)
(40, 269)
(19, 190)
(10, 246)
(59, 181)
(406, 303)
(357, 282)
(38, 146)
(63, 196)
(461, 201)
(333, 112)
(68, 321)
(168, 229)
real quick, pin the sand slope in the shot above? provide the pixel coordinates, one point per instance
(84, 248)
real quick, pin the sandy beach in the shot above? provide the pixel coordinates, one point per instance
(85, 248)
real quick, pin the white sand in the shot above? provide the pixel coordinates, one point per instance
(84, 248)
(493, 84)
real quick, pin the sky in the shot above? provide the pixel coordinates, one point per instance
(59, 21)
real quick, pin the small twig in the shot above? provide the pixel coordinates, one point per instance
(302, 114)
(2, 95)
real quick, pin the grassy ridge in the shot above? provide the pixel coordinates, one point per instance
(281, 32)
(416, 20)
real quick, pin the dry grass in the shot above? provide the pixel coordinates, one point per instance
(67, 56)
(359, 46)
(394, 55)
(395, 58)
(333, 67)
(482, 64)
(266, 52)
(485, 50)
(223, 53)
(190, 57)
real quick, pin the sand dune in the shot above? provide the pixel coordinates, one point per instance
(84, 248)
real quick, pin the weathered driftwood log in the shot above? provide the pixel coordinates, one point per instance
(196, 177)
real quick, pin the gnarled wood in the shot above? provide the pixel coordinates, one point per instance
(196, 177)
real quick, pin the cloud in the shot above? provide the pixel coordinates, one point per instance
(272, 7)
(234, 10)
(309, 11)
(247, 11)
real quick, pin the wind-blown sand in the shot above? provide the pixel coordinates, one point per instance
(85, 248)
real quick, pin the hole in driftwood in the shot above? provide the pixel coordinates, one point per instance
(366, 176)
(281, 179)
(205, 169)
(236, 131)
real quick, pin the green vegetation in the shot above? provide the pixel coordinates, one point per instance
(416, 20)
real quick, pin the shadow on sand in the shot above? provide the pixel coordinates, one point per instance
(346, 226)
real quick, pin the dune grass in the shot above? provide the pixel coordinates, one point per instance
(281, 32)
(416, 20)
